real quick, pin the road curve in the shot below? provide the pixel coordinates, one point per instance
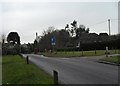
(77, 70)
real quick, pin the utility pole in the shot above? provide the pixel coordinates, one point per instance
(109, 26)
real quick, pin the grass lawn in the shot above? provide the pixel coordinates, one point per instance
(16, 71)
(113, 59)
(77, 53)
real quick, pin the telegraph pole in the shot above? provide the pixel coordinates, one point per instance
(109, 26)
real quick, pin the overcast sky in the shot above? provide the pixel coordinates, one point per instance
(27, 18)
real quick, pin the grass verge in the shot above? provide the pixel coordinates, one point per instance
(113, 59)
(78, 53)
(16, 71)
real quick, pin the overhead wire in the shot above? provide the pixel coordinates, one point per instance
(115, 19)
(97, 23)
(103, 22)
(112, 20)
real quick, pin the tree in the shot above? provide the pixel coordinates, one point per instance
(67, 26)
(63, 38)
(74, 27)
(45, 40)
(81, 30)
(87, 30)
(49, 30)
(74, 24)
(2, 41)
(3, 38)
(13, 38)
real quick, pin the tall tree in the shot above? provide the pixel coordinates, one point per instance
(74, 27)
(81, 30)
(74, 24)
(67, 26)
(3, 38)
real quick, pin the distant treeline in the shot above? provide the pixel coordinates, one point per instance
(75, 37)
(82, 40)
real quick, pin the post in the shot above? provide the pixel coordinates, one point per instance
(55, 75)
(106, 51)
(115, 50)
(109, 26)
(27, 59)
(95, 46)
(53, 43)
(95, 51)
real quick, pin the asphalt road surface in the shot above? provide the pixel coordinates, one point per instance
(79, 70)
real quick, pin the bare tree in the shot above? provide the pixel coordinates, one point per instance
(49, 30)
(2, 38)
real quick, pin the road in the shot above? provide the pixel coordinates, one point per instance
(78, 70)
